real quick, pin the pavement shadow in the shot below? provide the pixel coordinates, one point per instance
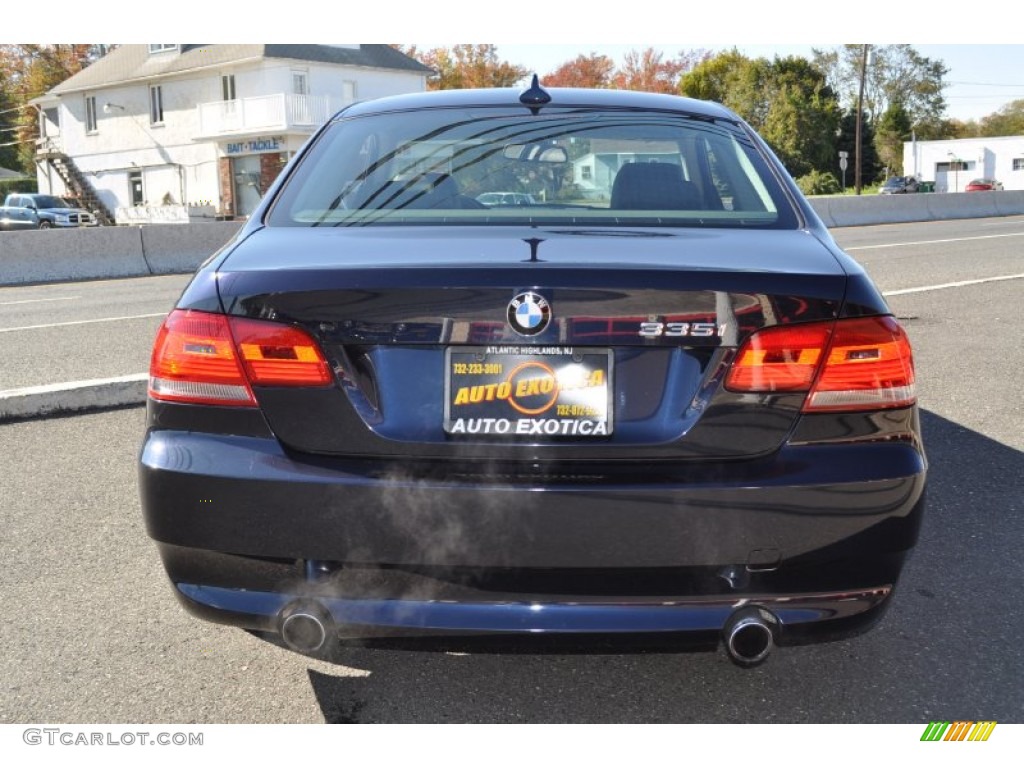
(948, 649)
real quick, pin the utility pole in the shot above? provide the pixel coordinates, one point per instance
(860, 113)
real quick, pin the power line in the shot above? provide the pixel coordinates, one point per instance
(995, 85)
(983, 96)
(15, 109)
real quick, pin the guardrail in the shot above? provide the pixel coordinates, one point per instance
(852, 211)
(96, 253)
(163, 249)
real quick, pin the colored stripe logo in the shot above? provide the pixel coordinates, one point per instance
(961, 730)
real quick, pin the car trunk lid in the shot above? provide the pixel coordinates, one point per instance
(412, 319)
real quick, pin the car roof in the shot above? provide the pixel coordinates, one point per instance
(560, 97)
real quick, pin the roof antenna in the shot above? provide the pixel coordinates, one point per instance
(534, 97)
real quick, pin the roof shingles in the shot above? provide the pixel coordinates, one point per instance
(130, 63)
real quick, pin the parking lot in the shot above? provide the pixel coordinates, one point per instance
(93, 633)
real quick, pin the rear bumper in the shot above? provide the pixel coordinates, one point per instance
(796, 614)
(805, 504)
(73, 224)
(815, 534)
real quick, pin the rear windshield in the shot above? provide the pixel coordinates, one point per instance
(569, 167)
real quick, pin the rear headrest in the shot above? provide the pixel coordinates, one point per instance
(654, 187)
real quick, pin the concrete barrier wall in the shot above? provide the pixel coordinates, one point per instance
(852, 211)
(97, 253)
(176, 248)
(72, 254)
(163, 249)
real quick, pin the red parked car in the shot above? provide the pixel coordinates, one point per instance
(984, 185)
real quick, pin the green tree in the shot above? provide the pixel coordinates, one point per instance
(871, 168)
(730, 78)
(788, 101)
(892, 130)
(1007, 121)
(946, 128)
(802, 115)
(819, 183)
(895, 73)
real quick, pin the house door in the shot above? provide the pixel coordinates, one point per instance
(245, 171)
(135, 187)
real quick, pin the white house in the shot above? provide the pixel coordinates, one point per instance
(954, 163)
(167, 125)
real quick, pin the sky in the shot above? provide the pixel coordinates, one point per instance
(982, 78)
(986, 65)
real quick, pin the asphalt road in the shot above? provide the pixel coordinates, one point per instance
(93, 633)
(67, 332)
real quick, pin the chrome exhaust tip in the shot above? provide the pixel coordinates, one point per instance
(305, 627)
(750, 634)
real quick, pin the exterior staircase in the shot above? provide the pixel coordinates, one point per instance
(76, 182)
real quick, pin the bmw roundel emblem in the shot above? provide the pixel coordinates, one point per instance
(529, 314)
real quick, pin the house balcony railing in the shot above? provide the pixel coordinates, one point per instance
(256, 114)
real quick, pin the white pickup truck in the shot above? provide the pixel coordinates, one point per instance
(36, 211)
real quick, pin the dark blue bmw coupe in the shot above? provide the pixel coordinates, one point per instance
(651, 395)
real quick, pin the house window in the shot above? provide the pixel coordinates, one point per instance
(955, 165)
(348, 91)
(90, 114)
(227, 87)
(162, 47)
(156, 105)
(586, 172)
(300, 84)
(1018, 163)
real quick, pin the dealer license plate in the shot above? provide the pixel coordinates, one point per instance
(537, 392)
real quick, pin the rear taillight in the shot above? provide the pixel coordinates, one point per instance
(279, 355)
(849, 365)
(869, 365)
(210, 359)
(779, 359)
(194, 361)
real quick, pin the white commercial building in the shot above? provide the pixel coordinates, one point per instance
(952, 164)
(170, 127)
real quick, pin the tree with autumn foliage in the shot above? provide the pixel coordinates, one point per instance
(593, 70)
(466, 66)
(27, 71)
(8, 126)
(649, 70)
